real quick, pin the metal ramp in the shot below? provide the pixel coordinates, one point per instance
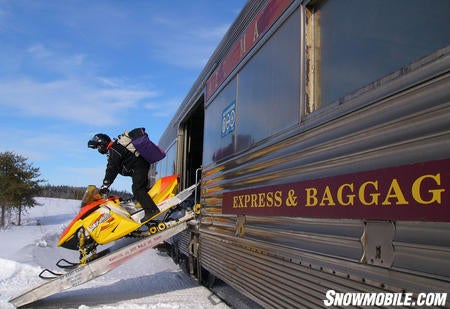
(100, 266)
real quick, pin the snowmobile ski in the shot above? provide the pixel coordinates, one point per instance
(65, 264)
(99, 266)
(48, 274)
(154, 227)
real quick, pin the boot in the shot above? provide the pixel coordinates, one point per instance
(149, 213)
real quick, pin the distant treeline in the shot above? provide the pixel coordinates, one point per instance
(74, 193)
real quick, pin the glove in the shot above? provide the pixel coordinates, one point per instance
(104, 190)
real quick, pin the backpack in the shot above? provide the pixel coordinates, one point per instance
(138, 142)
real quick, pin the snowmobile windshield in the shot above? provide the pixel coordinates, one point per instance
(91, 194)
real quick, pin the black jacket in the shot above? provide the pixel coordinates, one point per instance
(122, 161)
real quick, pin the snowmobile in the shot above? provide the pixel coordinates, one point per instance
(102, 220)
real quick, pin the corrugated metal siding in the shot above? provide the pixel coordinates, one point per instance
(182, 241)
(423, 246)
(291, 262)
(281, 277)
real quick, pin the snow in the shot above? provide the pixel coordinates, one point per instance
(150, 280)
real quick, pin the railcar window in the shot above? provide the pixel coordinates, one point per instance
(219, 139)
(167, 166)
(268, 86)
(352, 43)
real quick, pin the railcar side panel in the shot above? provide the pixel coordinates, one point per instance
(324, 158)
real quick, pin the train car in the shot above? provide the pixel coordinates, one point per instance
(320, 134)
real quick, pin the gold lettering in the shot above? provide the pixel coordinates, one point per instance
(246, 199)
(395, 192)
(242, 45)
(311, 197)
(426, 189)
(255, 32)
(238, 201)
(241, 201)
(327, 197)
(435, 194)
(350, 197)
(291, 200)
(374, 196)
(278, 198)
(258, 200)
(269, 199)
(262, 200)
(254, 200)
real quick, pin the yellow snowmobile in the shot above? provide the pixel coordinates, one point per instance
(103, 220)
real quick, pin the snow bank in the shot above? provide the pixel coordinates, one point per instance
(15, 277)
(151, 280)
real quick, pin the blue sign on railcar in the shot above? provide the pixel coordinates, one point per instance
(229, 119)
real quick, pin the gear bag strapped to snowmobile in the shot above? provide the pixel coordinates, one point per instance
(138, 142)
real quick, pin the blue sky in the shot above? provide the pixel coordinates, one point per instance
(70, 69)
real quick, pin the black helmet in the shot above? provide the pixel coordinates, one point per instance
(100, 142)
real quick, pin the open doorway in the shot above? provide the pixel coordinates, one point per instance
(192, 129)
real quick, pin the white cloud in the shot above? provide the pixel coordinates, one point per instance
(69, 100)
(74, 93)
(215, 33)
(184, 42)
(164, 108)
(43, 144)
(39, 51)
(109, 82)
(48, 61)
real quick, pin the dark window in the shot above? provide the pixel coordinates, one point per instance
(357, 42)
(268, 98)
(219, 142)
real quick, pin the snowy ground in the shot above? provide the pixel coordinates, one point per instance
(150, 280)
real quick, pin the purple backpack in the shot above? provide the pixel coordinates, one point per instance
(146, 148)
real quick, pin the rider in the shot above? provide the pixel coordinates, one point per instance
(124, 162)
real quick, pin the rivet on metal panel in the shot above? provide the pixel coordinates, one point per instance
(377, 243)
(240, 226)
